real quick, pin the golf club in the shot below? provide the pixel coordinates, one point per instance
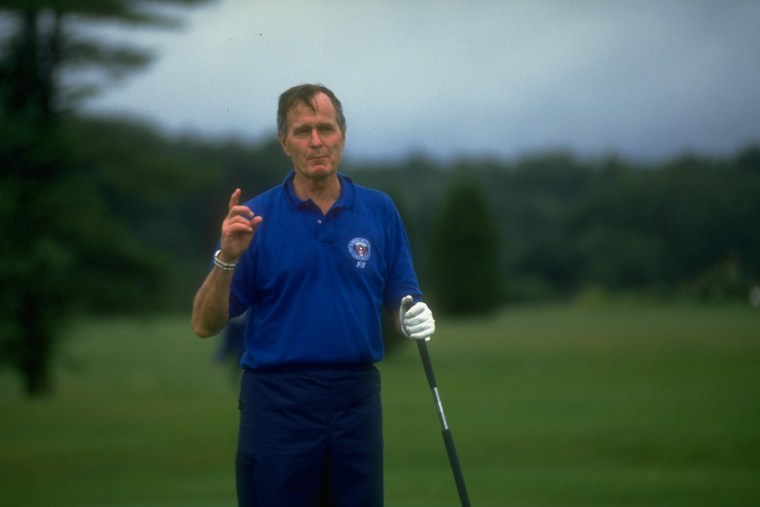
(447, 438)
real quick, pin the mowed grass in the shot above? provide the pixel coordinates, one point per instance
(600, 405)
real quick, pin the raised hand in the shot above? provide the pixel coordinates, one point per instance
(238, 229)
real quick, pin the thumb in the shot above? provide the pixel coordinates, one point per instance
(406, 303)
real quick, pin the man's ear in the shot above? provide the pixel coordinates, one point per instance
(281, 138)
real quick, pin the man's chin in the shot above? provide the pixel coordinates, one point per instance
(323, 169)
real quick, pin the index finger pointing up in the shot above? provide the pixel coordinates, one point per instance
(235, 198)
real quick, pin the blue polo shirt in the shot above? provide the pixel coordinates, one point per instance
(315, 284)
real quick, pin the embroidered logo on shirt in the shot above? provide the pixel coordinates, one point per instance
(359, 249)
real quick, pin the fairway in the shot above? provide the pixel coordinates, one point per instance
(624, 404)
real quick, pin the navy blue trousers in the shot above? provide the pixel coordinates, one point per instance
(310, 437)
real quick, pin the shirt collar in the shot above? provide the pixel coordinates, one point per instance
(347, 192)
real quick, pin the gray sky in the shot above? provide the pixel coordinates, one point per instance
(644, 78)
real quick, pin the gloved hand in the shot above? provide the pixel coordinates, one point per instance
(416, 319)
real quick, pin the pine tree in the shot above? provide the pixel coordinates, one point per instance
(465, 254)
(60, 247)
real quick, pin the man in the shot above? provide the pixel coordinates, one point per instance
(313, 261)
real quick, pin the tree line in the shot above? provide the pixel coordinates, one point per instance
(546, 226)
(685, 227)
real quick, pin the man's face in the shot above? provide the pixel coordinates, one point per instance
(314, 141)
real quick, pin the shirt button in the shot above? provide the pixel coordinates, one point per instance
(319, 221)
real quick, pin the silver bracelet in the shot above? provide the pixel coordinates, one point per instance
(224, 266)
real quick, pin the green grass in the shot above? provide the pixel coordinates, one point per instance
(596, 405)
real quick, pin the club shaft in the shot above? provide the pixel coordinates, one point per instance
(448, 439)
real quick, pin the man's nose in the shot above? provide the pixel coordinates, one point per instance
(315, 139)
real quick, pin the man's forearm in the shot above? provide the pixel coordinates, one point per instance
(211, 304)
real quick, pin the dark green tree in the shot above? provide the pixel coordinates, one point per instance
(61, 246)
(465, 252)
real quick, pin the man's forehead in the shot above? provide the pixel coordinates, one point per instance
(319, 104)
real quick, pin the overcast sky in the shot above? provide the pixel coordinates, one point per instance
(644, 78)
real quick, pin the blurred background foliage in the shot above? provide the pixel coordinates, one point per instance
(68, 241)
(111, 215)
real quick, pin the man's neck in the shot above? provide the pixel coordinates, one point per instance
(324, 192)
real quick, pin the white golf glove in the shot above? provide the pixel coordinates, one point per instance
(416, 319)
